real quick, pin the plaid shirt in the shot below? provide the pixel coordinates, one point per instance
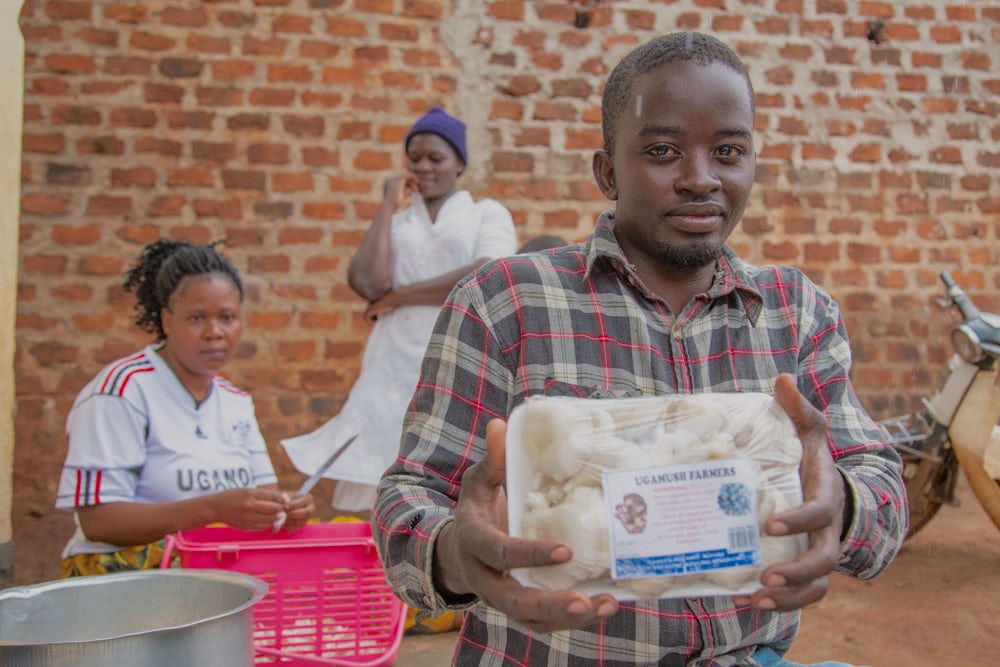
(578, 320)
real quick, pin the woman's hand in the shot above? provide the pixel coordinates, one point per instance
(247, 508)
(400, 190)
(380, 306)
(298, 510)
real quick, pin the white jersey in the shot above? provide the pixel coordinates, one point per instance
(136, 435)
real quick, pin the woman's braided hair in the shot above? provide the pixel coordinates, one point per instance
(160, 269)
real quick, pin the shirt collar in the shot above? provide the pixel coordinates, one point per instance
(731, 273)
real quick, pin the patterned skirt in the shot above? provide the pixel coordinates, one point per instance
(139, 557)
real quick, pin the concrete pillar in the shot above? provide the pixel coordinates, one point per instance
(11, 106)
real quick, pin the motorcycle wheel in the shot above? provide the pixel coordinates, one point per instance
(929, 484)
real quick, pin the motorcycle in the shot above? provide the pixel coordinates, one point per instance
(957, 429)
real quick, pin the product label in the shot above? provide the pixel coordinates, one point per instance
(684, 518)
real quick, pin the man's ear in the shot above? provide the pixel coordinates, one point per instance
(604, 174)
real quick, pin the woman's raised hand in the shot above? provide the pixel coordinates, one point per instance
(400, 190)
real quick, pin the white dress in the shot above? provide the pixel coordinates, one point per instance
(464, 231)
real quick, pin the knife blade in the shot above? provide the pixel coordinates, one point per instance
(313, 479)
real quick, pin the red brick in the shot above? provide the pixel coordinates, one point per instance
(108, 205)
(281, 97)
(208, 44)
(300, 235)
(132, 117)
(144, 177)
(69, 63)
(182, 16)
(268, 153)
(317, 49)
(85, 322)
(232, 70)
(68, 10)
(253, 46)
(136, 233)
(166, 206)
(43, 143)
(103, 88)
(273, 210)
(975, 60)
(268, 264)
(225, 209)
(506, 10)
(215, 96)
(292, 182)
(289, 73)
(320, 157)
(65, 114)
(322, 264)
(214, 151)
(372, 160)
(303, 126)
(125, 66)
(191, 177)
(243, 179)
(101, 266)
(323, 210)
(343, 184)
(296, 351)
(330, 100)
(319, 320)
(147, 41)
(161, 146)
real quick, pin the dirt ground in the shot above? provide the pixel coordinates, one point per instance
(938, 605)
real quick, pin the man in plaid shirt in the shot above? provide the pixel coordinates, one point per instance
(653, 303)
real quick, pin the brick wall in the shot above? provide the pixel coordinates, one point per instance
(274, 124)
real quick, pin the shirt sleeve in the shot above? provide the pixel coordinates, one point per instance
(464, 383)
(497, 236)
(107, 449)
(260, 460)
(871, 468)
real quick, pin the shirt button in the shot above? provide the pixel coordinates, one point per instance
(677, 334)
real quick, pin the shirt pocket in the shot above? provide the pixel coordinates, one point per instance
(553, 387)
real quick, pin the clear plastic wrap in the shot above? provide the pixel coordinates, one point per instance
(655, 496)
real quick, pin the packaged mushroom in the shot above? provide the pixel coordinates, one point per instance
(657, 497)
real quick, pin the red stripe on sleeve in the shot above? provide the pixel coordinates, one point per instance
(76, 495)
(97, 489)
(112, 371)
(121, 390)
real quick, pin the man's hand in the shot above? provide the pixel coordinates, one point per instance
(474, 554)
(793, 585)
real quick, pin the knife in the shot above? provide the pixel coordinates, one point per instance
(314, 478)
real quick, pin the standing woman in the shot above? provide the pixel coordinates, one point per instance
(427, 234)
(158, 441)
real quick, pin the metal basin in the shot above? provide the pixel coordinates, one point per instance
(152, 618)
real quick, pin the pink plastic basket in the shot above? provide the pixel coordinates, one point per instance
(328, 603)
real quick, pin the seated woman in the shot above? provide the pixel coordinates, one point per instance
(158, 441)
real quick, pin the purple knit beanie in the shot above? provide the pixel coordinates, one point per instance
(437, 121)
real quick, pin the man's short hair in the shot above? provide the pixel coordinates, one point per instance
(687, 46)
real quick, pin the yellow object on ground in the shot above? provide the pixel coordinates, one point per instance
(139, 557)
(419, 622)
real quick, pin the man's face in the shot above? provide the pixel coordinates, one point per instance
(682, 167)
